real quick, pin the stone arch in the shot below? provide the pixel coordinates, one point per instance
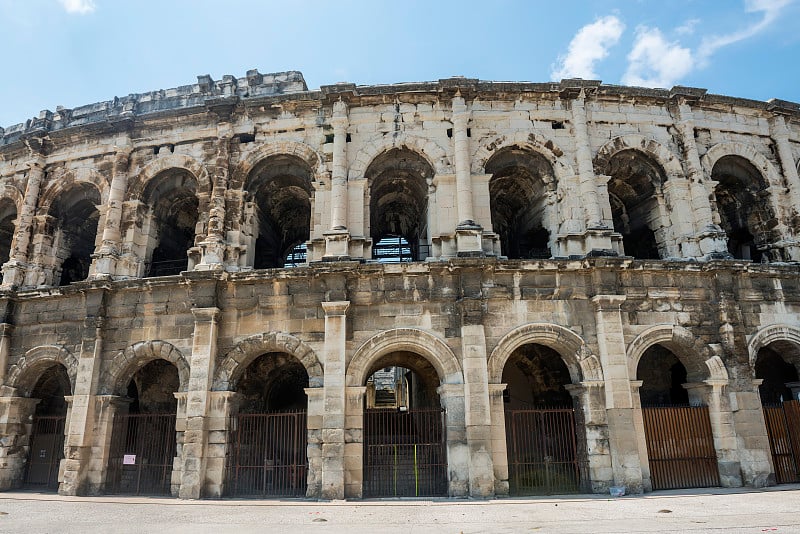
(735, 148)
(237, 359)
(488, 146)
(650, 147)
(769, 334)
(696, 356)
(118, 372)
(582, 364)
(285, 148)
(24, 374)
(427, 345)
(62, 181)
(431, 151)
(162, 163)
(11, 192)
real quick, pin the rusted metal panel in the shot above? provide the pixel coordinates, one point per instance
(680, 447)
(46, 452)
(783, 429)
(405, 453)
(541, 448)
(142, 453)
(268, 455)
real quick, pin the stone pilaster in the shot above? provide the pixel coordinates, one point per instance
(780, 134)
(337, 239)
(195, 438)
(16, 422)
(212, 248)
(468, 232)
(80, 439)
(5, 348)
(641, 438)
(709, 240)
(316, 402)
(592, 440)
(107, 408)
(477, 416)
(14, 269)
(333, 419)
(458, 452)
(619, 404)
(750, 432)
(222, 406)
(499, 446)
(354, 442)
(105, 260)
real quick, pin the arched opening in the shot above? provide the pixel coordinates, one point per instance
(678, 434)
(76, 216)
(8, 216)
(545, 453)
(398, 204)
(744, 209)
(521, 184)
(404, 439)
(634, 189)
(776, 365)
(279, 194)
(172, 199)
(144, 440)
(268, 438)
(47, 431)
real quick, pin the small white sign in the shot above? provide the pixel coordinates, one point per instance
(129, 459)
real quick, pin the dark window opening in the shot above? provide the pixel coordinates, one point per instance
(662, 375)
(245, 138)
(74, 238)
(536, 377)
(273, 382)
(297, 257)
(394, 249)
(776, 372)
(8, 214)
(557, 125)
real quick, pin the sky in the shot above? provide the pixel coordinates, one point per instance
(77, 52)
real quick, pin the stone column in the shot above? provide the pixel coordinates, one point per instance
(105, 259)
(16, 423)
(641, 437)
(14, 269)
(333, 419)
(80, 439)
(316, 400)
(592, 441)
(709, 240)
(354, 442)
(499, 446)
(201, 373)
(458, 452)
(106, 407)
(477, 416)
(780, 134)
(5, 348)
(623, 447)
(212, 248)
(468, 233)
(750, 432)
(337, 239)
(223, 406)
(711, 393)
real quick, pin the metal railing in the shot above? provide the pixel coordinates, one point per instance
(142, 454)
(46, 452)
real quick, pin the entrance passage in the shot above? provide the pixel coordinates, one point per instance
(542, 458)
(783, 428)
(404, 453)
(680, 447)
(47, 451)
(142, 452)
(268, 455)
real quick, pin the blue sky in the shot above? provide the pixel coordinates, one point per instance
(75, 52)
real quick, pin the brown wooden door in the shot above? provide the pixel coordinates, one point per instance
(680, 446)
(783, 429)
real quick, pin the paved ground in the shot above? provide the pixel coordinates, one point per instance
(776, 510)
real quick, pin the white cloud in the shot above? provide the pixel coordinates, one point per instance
(81, 7)
(687, 28)
(589, 46)
(655, 62)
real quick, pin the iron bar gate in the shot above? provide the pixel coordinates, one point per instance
(783, 429)
(268, 455)
(680, 446)
(142, 453)
(404, 453)
(46, 452)
(541, 448)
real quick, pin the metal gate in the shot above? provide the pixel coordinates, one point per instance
(783, 428)
(268, 455)
(541, 448)
(404, 453)
(142, 453)
(46, 452)
(680, 446)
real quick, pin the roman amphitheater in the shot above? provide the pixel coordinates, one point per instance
(243, 287)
